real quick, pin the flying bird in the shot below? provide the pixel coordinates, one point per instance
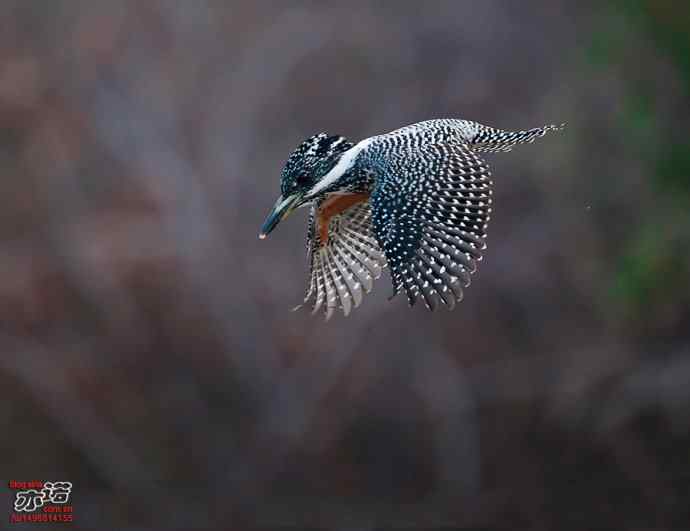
(416, 200)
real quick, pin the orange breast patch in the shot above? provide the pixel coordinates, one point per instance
(333, 206)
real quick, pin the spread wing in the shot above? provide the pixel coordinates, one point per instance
(431, 206)
(344, 267)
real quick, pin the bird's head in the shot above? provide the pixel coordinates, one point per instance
(303, 177)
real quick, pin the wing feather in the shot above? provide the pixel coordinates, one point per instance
(342, 269)
(431, 206)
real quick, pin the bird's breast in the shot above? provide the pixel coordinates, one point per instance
(333, 205)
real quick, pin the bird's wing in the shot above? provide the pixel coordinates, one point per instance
(344, 267)
(431, 205)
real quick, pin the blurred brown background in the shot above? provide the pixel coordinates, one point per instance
(146, 349)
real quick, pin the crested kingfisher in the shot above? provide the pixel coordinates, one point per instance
(416, 200)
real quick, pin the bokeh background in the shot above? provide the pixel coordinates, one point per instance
(147, 353)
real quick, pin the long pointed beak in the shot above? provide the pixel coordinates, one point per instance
(281, 209)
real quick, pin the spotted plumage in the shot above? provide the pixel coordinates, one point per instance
(417, 200)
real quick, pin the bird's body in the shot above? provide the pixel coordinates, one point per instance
(417, 200)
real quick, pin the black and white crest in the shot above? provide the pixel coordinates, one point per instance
(312, 159)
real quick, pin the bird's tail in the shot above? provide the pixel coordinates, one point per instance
(488, 139)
